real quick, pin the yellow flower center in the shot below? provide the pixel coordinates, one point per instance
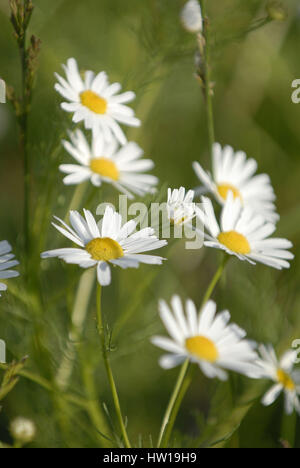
(202, 348)
(223, 190)
(104, 249)
(105, 167)
(285, 380)
(178, 222)
(93, 102)
(235, 242)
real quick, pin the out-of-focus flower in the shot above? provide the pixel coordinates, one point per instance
(23, 430)
(180, 206)
(191, 17)
(233, 172)
(106, 162)
(282, 373)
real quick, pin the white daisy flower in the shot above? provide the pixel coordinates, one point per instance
(285, 378)
(180, 206)
(95, 101)
(191, 16)
(206, 339)
(106, 162)
(7, 261)
(244, 234)
(110, 244)
(233, 172)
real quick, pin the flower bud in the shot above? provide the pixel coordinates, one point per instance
(191, 17)
(23, 430)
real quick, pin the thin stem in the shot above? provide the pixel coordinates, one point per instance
(23, 122)
(288, 429)
(76, 199)
(109, 371)
(64, 374)
(175, 400)
(185, 375)
(91, 196)
(205, 53)
(79, 314)
(20, 17)
(81, 303)
(215, 280)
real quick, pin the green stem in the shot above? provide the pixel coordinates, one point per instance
(173, 406)
(288, 429)
(64, 374)
(26, 186)
(109, 371)
(23, 122)
(205, 53)
(80, 308)
(78, 319)
(91, 196)
(76, 199)
(215, 280)
(185, 375)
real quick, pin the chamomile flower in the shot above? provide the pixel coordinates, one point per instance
(110, 244)
(282, 373)
(233, 172)
(180, 206)
(95, 101)
(244, 234)
(7, 261)
(105, 162)
(206, 339)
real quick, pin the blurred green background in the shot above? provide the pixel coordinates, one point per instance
(141, 44)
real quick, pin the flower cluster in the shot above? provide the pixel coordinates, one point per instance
(248, 219)
(234, 207)
(97, 103)
(248, 214)
(216, 346)
(107, 158)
